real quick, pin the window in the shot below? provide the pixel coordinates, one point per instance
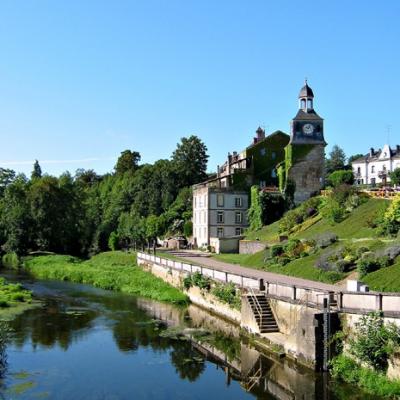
(238, 217)
(220, 200)
(262, 151)
(358, 170)
(220, 217)
(273, 174)
(373, 169)
(273, 155)
(262, 184)
(238, 231)
(238, 202)
(220, 232)
(303, 103)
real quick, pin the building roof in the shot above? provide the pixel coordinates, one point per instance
(307, 116)
(375, 155)
(306, 91)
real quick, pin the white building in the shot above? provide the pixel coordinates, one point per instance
(374, 167)
(218, 213)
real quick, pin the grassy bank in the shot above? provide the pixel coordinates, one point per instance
(112, 271)
(375, 383)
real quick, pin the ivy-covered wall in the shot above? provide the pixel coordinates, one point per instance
(293, 154)
(265, 156)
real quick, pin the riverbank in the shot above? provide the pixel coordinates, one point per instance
(111, 270)
(14, 300)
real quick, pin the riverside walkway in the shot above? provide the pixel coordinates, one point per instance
(207, 261)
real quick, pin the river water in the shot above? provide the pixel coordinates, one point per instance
(92, 344)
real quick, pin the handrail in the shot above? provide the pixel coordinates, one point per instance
(258, 305)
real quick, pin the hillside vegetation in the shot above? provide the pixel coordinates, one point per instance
(328, 241)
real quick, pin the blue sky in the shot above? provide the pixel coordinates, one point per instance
(81, 81)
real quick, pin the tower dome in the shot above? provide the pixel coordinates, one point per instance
(306, 91)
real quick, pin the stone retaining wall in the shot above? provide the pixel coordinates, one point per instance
(251, 246)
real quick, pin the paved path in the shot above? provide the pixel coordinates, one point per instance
(197, 258)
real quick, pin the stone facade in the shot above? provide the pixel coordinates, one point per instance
(308, 174)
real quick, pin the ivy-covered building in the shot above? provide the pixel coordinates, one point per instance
(292, 165)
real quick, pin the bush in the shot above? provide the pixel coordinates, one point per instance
(10, 260)
(361, 250)
(228, 294)
(374, 341)
(367, 265)
(276, 250)
(340, 177)
(390, 224)
(326, 239)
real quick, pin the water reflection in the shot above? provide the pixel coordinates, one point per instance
(125, 338)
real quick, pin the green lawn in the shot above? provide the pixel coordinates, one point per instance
(111, 270)
(385, 279)
(269, 233)
(354, 226)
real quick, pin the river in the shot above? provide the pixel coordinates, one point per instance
(92, 344)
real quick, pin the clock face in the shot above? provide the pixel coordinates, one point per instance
(308, 129)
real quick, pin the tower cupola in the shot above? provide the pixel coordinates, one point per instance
(306, 98)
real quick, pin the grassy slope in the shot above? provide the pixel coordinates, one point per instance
(111, 270)
(353, 227)
(385, 279)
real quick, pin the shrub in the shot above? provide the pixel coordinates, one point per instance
(10, 260)
(201, 281)
(276, 250)
(367, 265)
(326, 239)
(228, 294)
(374, 341)
(283, 260)
(340, 177)
(392, 252)
(390, 224)
(361, 250)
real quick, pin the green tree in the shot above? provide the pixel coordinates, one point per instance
(15, 220)
(336, 160)
(7, 176)
(127, 161)
(190, 159)
(353, 158)
(37, 171)
(340, 177)
(395, 176)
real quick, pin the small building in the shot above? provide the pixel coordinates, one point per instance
(218, 213)
(374, 167)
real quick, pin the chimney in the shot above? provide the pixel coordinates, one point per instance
(371, 151)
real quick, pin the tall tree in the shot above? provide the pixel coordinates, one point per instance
(190, 160)
(127, 161)
(37, 170)
(6, 177)
(336, 160)
(395, 176)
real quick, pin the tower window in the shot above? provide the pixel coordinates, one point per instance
(303, 103)
(309, 104)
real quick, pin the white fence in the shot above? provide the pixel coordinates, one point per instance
(343, 301)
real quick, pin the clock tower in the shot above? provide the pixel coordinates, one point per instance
(303, 171)
(307, 126)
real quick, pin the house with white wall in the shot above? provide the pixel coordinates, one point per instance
(374, 167)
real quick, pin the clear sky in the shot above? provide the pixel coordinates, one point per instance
(81, 81)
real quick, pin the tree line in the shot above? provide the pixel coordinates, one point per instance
(86, 213)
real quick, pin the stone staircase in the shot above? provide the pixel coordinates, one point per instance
(262, 313)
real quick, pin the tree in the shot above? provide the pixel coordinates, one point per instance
(127, 161)
(190, 161)
(337, 178)
(353, 158)
(395, 177)
(336, 160)
(6, 177)
(37, 171)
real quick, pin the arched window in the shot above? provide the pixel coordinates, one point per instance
(373, 169)
(309, 105)
(303, 103)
